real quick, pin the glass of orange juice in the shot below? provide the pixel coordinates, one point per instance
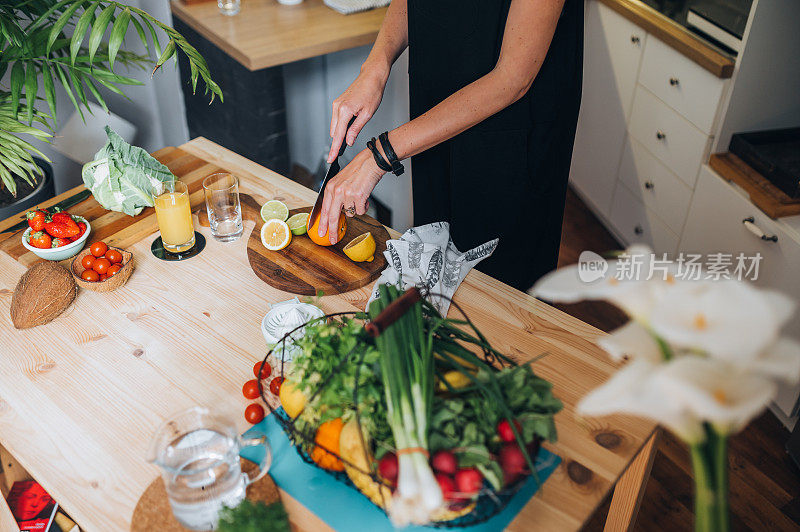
(174, 216)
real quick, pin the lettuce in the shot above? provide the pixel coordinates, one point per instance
(122, 177)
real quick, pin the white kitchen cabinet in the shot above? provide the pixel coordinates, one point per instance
(715, 224)
(612, 53)
(655, 185)
(682, 84)
(667, 135)
(639, 225)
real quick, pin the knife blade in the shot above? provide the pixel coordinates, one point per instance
(63, 205)
(333, 169)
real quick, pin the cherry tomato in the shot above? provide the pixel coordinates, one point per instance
(264, 372)
(113, 269)
(250, 389)
(87, 261)
(114, 256)
(98, 249)
(101, 265)
(254, 413)
(90, 275)
(275, 385)
(104, 277)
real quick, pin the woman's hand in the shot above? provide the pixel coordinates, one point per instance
(360, 100)
(349, 189)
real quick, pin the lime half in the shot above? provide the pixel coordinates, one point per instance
(274, 210)
(297, 223)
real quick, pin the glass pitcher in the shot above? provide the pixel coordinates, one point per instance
(198, 453)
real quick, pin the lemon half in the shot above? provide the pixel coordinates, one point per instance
(361, 248)
(274, 210)
(275, 235)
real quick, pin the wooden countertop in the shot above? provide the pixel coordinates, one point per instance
(266, 33)
(674, 35)
(81, 396)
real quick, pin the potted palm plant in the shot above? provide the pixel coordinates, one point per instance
(75, 44)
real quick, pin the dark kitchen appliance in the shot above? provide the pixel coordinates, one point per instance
(720, 21)
(774, 154)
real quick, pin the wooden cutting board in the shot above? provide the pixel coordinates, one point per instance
(115, 228)
(305, 268)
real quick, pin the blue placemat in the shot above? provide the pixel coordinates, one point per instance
(342, 506)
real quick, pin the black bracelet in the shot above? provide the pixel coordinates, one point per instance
(391, 156)
(383, 165)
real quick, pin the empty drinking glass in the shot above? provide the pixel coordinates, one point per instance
(222, 203)
(229, 7)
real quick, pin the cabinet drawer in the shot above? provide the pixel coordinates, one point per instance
(638, 224)
(667, 135)
(655, 185)
(714, 225)
(686, 87)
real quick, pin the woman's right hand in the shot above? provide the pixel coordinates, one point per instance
(361, 99)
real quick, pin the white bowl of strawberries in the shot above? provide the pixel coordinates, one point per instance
(55, 235)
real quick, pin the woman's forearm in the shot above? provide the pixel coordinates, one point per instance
(391, 41)
(521, 56)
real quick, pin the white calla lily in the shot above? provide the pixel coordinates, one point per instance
(632, 340)
(715, 391)
(730, 320)
(780, 360)
(627, 283)
(632, 390)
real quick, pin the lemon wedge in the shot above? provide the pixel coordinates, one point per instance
(274, 210)
(361, 248)
(275, 235)
(297, 223)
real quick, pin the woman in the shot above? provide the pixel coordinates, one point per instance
(495, 89)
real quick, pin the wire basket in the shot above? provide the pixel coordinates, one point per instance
(489, 502)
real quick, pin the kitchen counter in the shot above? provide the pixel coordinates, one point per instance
(81, 396)
(266, 33)
(675, 35)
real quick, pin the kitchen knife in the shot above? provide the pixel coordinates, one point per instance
(63, 205)
(333, 169)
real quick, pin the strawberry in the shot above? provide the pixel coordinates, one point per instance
(36, 220)
(82, 227)
(58, 242)
(59, 229)
(66, 219)
(40, 239)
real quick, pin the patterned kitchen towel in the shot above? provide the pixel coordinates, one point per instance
(426, 256)
(346, 7)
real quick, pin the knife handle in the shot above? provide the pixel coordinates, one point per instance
(344, 143)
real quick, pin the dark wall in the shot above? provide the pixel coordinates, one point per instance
(252, 119)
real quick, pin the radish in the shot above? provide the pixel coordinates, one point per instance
(469, 481)
(444, 462)
(387, 467)
(512, 462)
(447, 485)
(505, 432)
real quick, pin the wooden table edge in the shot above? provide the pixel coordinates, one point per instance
(181, 10)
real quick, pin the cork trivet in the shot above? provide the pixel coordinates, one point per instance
(153, 511)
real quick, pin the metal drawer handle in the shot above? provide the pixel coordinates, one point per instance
(649, 185)
(674, 82)
(638, 229)
(635, 39)
(749, 223)
(660, 135)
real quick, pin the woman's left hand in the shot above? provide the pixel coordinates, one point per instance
(349, 190)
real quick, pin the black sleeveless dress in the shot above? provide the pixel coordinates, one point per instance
(506, 176)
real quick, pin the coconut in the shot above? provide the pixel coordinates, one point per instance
(42, 293)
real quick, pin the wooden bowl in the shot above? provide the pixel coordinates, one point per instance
(113, 282)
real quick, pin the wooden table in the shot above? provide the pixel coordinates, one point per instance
(266, 33)
(81, 396)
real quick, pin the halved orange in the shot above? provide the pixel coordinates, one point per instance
(325, 240)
